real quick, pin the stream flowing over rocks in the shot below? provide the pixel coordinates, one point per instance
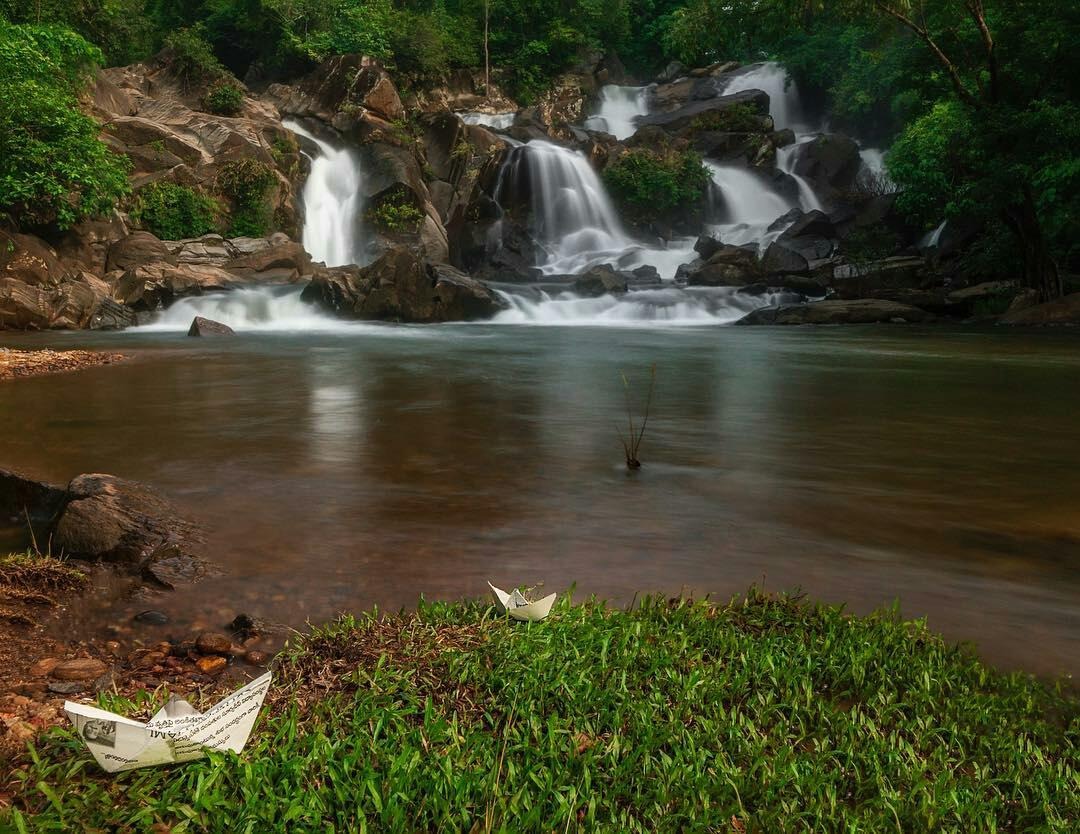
(451, 205)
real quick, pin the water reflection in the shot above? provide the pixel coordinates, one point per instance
(342, 471)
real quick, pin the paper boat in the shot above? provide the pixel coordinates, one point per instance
(520, 608)
(177, 733)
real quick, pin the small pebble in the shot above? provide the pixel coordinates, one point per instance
(211, 665)
(212, 642)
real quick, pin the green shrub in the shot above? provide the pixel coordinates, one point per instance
(174, 212)
(224, 98)
(395, 214)
(247, 183)
(53, 168)
(656, 184)
(193, 59)
(739, 118)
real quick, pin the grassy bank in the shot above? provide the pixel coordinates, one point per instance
(766, 714)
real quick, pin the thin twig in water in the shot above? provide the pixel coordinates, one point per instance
(632, 440)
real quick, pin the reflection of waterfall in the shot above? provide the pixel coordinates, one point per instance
(332, 203)
(750, 208)
(496, 121)
(669, 306)
(619, 110)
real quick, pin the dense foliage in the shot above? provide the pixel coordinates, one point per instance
(764, 715)
(246, 184)
(53, 168)
(657, 184)
(174, 212)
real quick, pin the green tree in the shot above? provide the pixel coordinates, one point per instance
(53, 168)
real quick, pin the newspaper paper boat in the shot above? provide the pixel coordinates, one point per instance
(177, 732)
(520, 608)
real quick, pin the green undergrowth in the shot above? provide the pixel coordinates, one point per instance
(763, 715)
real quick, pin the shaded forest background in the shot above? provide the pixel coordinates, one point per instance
(976, 100)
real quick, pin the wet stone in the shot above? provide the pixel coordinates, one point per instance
(212, 642)
(211, 665)
(151, 617)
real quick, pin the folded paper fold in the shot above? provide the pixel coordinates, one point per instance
(177, 732)
(520, 608)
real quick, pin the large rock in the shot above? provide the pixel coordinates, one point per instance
(29, 260)
(135, 250)
(600, 280)
(117, 520)
(1063, 311)
(859, 311)
(989, 298)
(77, 302)
(862, 280)
(830, 159)
(208, 327)
(780, 259)
(685, 114)
(157, 285)
(726, 266)
(403, 286)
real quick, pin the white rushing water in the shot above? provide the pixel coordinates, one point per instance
(786, 110)
(663, 307)
(267, 308)
(333, 203)
(619, 110)
(496, 121)
(750, 206)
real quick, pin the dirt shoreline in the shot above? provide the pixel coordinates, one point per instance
(20, 364)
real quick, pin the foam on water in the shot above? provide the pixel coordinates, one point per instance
(495, 121)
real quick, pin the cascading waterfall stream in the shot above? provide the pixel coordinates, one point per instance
(749, 205)
(496, 121)
(619, 110)
(333, 201)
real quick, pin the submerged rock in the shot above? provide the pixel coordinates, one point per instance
(402, 286)
(208, 327)
(859, 311)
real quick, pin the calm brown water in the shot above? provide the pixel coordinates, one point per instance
(339, 471)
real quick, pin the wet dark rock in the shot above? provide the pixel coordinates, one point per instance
(151, 617)
(863, 280)
(859, 311)
(208, 327)
(780, 259)
(68, 687)
(830, 159)
(213, 642)
(600, 280)
(257, 658)
(727, 266)
(172, 567)
(672, 71)
(402, 286)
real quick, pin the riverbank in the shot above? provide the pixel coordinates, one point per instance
(765, 714)
(24, 363)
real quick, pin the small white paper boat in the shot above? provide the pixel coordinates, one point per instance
(520, 608)
(177, 733)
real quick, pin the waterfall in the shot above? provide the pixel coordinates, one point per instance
(666, 307)
(495, 121)
(619, 110)
(266, 308)
(750, 206)
(785, 108)
(333, 201)
(571, 215)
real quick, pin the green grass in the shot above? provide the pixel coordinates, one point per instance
(764, 715)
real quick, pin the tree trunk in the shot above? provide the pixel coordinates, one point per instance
(487, 56)
(1040, 269)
